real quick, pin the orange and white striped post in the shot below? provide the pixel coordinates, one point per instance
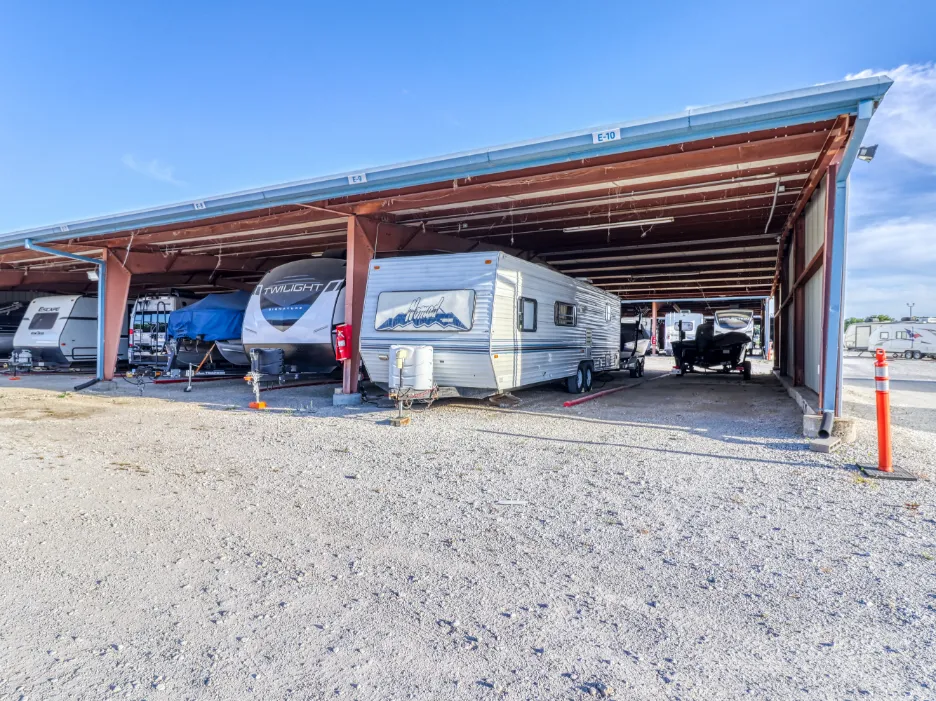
(885, 467)
(882, 400)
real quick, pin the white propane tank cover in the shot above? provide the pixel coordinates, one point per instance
(417, 368)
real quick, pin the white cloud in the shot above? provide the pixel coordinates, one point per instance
(155, 169)
(906, 119)
(893, 245)
(892, 227)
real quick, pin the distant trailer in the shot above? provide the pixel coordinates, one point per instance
(61, 332)
(495, 323)
(909, 339)
(148, 322)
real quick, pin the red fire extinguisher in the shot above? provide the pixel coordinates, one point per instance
(343, 342)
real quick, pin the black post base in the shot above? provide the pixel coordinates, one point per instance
(872, 472)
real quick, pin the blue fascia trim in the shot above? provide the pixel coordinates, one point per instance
(773, 111)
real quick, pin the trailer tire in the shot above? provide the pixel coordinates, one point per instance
(633, 372)
(640, 369)
(746, 369)
(576, 383)
(917, 355)
(589, 377)
(908, 355)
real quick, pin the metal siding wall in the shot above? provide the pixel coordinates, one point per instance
(813, 330)
(787, 315)
(815, 215)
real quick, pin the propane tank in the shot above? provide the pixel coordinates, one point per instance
(410, 368)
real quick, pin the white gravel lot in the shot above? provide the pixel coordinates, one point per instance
(676, 540)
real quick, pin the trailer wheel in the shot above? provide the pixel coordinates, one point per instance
(746, 369)
(588, 377)
(908, 354)
(576, 383)
(633, 372)
(917, 355)
(640, 368)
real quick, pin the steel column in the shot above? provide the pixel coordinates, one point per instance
(116, 283)
(654, 336)
(360, 253)
(835, 292)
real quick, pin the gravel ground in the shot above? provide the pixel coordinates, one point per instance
(676, 540)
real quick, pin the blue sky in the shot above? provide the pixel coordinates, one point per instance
(107, 106)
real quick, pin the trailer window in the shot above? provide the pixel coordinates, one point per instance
(608, 312)
(885, 335)
(43, 322)
(526, 314)
(565, 314)
(149, 322)
(901, 335)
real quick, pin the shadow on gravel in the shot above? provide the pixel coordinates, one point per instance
(665, 451)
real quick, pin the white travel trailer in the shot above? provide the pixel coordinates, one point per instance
(148, 322)
(290, 320)
(61, 331)
(911, 339)
(495, 323)
(690, 322)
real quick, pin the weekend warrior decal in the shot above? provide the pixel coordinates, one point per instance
(449, 310)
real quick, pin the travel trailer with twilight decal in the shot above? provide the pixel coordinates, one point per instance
(292, 315)
(495, 322)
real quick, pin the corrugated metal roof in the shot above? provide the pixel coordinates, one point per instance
(772, 111)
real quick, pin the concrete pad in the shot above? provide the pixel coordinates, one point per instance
(104, 386)
(341, 399)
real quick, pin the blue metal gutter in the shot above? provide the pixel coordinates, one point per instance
(786, 109)
(102, 272)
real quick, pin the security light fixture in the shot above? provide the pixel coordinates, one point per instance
(866, 153)
(619, 225)
(93, 275)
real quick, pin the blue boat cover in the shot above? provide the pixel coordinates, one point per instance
(215, 318)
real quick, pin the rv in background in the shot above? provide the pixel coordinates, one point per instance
(910, 339)
(635, 342)
(148, 322)
(494, 323)
(61, 331)
(690, 322)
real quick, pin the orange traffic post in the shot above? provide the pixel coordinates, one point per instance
(885, 468)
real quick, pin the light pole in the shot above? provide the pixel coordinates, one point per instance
(911, 305)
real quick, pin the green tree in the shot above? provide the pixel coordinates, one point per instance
(852, 320)
(883, 317)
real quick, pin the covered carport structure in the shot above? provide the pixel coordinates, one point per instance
(745, 200)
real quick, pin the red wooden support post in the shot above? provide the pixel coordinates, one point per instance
(654, 336)
(360, 253)
(116, 288)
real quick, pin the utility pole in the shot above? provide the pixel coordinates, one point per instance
(911, 305)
